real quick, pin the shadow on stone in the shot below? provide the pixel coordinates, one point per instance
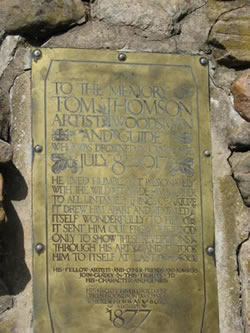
(6, 301)
(13, 269)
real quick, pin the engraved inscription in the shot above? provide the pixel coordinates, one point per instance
(121, 218)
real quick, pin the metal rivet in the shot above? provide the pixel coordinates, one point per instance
(210, 250)
(207, 153)
(38, 149)
(39, 247)
(204, 61)
(122, 57)
(36, 54)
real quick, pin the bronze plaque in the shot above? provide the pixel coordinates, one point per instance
(123, 213)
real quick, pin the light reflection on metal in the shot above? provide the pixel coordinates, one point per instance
(210, 250)
(37, 54)
(122, 57)
(38, 149)
(39, 248)
(204, 61)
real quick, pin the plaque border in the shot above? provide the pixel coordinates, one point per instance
(40, 72)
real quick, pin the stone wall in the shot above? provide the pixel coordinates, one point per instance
(217, 29)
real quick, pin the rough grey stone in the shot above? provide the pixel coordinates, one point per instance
(14, 68)
(6, 301)
(6, 152)
(108, 36)
(152, 19)
(223, 78)
(231, 215)
(38, 18)
(239, 137)
(220, 118)
(21, 139)
(240, 163)
(238, 131)
(7, 51)
(191, 39)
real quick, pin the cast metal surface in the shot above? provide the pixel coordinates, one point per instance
(37, 54)
(122, 57)
(204, 61)
(122, 194)
(210, 250)
(207, 153)
(38, 149)
(39, 247)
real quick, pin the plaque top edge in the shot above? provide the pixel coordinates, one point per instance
(119, 56)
